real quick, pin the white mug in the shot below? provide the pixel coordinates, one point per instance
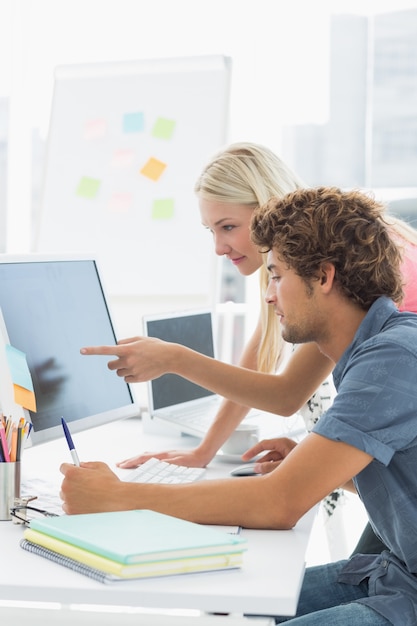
(243, 438)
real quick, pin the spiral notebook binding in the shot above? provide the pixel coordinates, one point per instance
(91, 572)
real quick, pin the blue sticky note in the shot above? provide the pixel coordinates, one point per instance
(133, 122)
(18, 366)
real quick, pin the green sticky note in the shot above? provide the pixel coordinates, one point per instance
(163, 128)
(88, 187)
(163, 209)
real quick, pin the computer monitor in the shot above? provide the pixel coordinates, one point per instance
(52, 306)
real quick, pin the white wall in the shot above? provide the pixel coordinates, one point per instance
(279, 51)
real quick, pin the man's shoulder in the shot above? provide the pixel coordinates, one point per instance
(400, 324)
(386, 321)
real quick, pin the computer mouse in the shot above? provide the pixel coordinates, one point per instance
(244, 470)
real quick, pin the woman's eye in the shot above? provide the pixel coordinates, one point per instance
(228, 227)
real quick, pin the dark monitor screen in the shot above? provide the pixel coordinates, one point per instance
(51, 308)
(191, 329)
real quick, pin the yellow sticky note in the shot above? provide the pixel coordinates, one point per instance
(163, 128)
(163, 209)
(153, 169)
(88, 187)
(24, 398)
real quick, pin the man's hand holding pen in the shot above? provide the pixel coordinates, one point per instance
(91, 488)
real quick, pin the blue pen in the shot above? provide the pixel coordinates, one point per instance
(70, 443)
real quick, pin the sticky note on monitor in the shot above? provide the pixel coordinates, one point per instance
(18, 367)
(22, 380)
(24, 398)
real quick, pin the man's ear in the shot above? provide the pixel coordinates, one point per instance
(326, 276)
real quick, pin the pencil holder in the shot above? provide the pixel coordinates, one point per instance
(9, 488)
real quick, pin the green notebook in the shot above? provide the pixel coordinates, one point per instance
(107, 570)
(139, 536)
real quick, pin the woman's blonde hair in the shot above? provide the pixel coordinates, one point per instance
(250, 174)
(402, 229)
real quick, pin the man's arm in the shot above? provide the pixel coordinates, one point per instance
(277, 500)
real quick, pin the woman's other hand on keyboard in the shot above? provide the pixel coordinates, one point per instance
(188, 458)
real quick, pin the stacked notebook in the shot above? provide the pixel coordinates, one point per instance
(132, 544)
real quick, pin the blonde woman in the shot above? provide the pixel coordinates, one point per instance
(236, 181)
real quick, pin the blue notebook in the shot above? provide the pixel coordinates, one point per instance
(139, 536)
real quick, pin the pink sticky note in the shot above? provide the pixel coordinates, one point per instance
(94, 129)
(120, 202)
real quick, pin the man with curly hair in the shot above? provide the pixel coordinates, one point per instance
(334, 279)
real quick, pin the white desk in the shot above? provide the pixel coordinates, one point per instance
(267, 584)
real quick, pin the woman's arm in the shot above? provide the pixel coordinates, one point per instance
(306, 369)
(142, 358)
(228, 417)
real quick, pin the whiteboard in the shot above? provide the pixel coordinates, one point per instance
(126, 143)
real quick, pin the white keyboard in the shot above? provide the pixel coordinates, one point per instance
(155, 471)
(46, 492)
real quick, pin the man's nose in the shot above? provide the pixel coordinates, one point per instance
(269, 293)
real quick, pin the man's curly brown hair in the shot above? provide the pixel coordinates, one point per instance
(309, 227)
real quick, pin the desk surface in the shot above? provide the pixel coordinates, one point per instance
(267, 584)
